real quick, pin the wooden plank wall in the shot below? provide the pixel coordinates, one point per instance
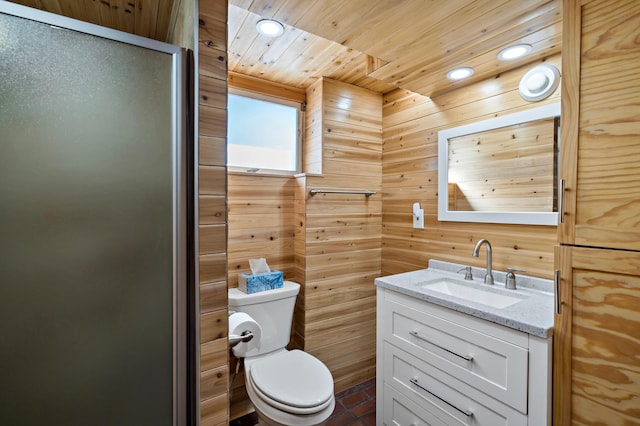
(212, 45)
(261, 224)
(260, 210)
(181, 29)
(330, 244)
(410, 174)
(338, 236)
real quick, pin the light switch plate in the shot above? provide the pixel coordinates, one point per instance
(418, 219)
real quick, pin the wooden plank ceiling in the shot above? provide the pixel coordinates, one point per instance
(146, 18)
(415, 41)
(376, 44)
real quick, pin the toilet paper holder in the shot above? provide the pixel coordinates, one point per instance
(243, 337)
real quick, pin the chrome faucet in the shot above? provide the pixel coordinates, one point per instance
(488, 277)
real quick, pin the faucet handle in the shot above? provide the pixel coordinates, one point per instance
(467, 272)
(510, 282)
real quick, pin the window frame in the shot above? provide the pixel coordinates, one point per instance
(299, 106)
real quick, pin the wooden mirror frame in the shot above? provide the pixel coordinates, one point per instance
(524, 218)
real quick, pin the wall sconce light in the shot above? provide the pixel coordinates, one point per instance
(270, 27)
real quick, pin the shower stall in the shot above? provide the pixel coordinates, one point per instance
(94, 238)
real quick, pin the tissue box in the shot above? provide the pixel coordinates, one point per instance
(250, 283)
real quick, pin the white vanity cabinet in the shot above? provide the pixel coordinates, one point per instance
(436, 366)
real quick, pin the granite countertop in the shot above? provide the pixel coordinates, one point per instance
(532, 315)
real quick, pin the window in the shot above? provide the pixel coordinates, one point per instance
(263, 133)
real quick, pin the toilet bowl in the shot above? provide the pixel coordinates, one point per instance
(285, 387)
(290, 388)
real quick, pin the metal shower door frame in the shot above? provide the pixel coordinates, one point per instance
(179, 181)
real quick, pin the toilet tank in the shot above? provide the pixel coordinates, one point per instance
(272, 309)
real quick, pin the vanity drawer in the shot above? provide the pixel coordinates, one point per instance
(491, 365)
(402, 411)
(449, 399)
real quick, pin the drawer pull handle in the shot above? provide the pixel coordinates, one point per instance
(465, 412)
(556, 290)
(417, 336)
(561, 202)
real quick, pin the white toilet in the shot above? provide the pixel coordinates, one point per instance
(285, 387)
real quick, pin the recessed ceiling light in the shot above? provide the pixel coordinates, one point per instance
(460, 73)
(514, 52)
(270, 27)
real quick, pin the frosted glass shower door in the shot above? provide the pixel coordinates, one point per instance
(90, 233)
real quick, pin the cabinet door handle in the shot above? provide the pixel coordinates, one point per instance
(465, 412)
(561, 202)
(417, 336)
(556, 290)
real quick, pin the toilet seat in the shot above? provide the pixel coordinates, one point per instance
(271, 415)
(292, 381)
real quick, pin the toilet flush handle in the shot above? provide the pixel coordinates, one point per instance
(244, 337)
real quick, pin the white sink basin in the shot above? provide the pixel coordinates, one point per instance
(471, 293)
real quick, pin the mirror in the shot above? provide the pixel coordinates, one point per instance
(501, 170)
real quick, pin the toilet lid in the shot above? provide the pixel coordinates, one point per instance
(293, 378)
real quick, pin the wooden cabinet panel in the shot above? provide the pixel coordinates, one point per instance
(597, 323)
(601, 129)
(597, 337)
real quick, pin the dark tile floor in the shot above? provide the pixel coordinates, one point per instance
(354, 407)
